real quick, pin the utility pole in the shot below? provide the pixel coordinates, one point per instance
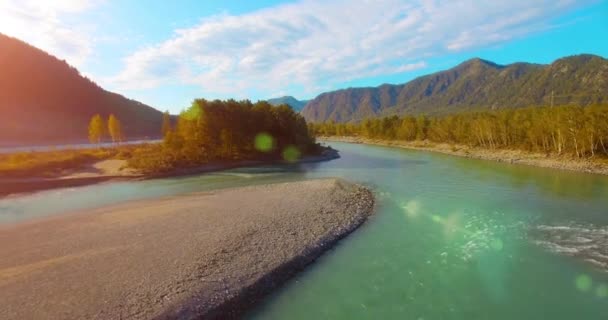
(552, 96)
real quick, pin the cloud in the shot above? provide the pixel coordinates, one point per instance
(313, 44)
(42, 24)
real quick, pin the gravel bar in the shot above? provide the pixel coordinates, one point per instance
(200, 256)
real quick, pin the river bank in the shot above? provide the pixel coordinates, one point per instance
(117, 170)
(206, 255)
(500, 155)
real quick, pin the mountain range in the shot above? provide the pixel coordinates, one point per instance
(295, 104)
(473, 84)
(43, 100)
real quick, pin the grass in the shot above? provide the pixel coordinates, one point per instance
(53, 163)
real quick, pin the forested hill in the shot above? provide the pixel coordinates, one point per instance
(474, 84)
(45, 100)
(295, 104)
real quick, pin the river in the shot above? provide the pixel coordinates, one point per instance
(453, 238)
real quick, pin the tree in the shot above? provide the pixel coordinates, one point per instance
(166, 128)
(96, 129)
(115, 129)
(421, 126)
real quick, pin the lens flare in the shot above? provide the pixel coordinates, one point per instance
(411, 208)
(451, 224)
(583, 282)
(291, 154)
(264, 142)
(497, 244)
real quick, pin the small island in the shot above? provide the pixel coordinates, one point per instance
(208, 136)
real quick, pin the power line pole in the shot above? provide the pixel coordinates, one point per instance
(552, 96)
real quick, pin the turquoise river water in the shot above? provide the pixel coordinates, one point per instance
(452, 238)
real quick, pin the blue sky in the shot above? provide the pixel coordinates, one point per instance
(166, 53)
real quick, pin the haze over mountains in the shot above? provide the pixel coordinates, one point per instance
(476, 83)
(45, 100)
(295, 104)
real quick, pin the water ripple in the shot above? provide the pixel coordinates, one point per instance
(586, 242)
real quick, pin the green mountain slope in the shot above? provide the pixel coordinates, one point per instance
(44, 100)
(295, 104)
(476, 83)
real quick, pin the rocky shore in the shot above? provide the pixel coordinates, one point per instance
(595, 166)
(208, 255)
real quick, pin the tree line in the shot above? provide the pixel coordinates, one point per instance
(568, 130)
(227, 130)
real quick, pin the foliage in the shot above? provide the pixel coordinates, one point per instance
(166, 126)
(577, 131)
(227, 131)
(115, 129)
(97, 129)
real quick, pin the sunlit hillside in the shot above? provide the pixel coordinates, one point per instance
(45, 100)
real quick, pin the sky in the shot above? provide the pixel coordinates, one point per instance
(166, 53)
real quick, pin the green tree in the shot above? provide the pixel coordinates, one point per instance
(115, 129)
(96, 129)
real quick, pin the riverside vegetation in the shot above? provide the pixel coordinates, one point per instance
(579, 132)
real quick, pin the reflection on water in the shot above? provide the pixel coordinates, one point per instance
(558, 183)
(453, 238)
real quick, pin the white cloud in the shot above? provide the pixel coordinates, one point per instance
(42, 24)
(317, 43)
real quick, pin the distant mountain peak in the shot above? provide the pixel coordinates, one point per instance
(294, 103)
(579, 59)
(480, 62)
